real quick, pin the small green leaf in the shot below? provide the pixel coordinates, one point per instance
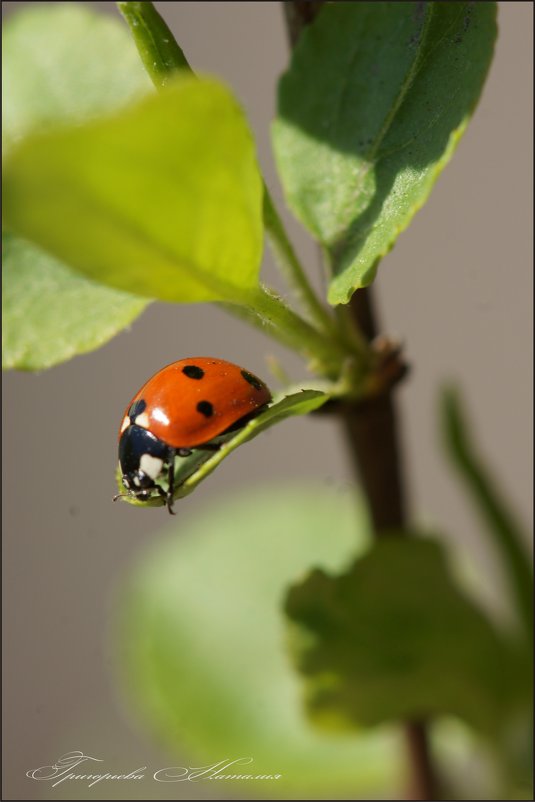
(60, 64)
(157, 47)
(300, 403)
(201, 644)
(163, 199)
(50, 313)
(498, 519)
(190, 471)
(393, 638)
(374, 103)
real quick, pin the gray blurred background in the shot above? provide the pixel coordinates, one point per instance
(457, 288)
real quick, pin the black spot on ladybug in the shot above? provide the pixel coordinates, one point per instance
(137, 408)
(252, 379)
(205, 408)
(193, 372)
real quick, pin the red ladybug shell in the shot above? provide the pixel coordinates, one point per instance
(191, 401)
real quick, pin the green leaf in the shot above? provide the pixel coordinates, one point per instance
(60, 64)
(190, 471)
(500, 522)
(168, 191)
(374, 103)
(393, 638)
(201, 644)
(50, 313)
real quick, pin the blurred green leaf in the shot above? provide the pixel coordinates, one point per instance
(393, 638)
(64, 63)
(60, 64)
(371, 109)
(190, 471)
(168, 191)
(498, 519)
(50, 314)
(202, 643)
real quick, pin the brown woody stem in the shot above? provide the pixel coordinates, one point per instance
(372, 431)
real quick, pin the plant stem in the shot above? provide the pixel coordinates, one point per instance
(372, 431)
(269, 312)
(292, 268)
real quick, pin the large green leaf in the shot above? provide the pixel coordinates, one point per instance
(50, 313)
(371, 109)
(203, 653)
(163, 199)
(192, 470)
(393, 638)
(60, 64)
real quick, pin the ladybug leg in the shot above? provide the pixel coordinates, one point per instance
(183, 452)
(171, 481)
(160, 490)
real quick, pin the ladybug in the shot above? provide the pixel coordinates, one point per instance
(183, 407)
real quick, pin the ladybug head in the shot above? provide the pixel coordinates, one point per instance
(142, 457)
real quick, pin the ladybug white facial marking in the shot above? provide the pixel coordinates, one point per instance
(125, 423)
(152, 466)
